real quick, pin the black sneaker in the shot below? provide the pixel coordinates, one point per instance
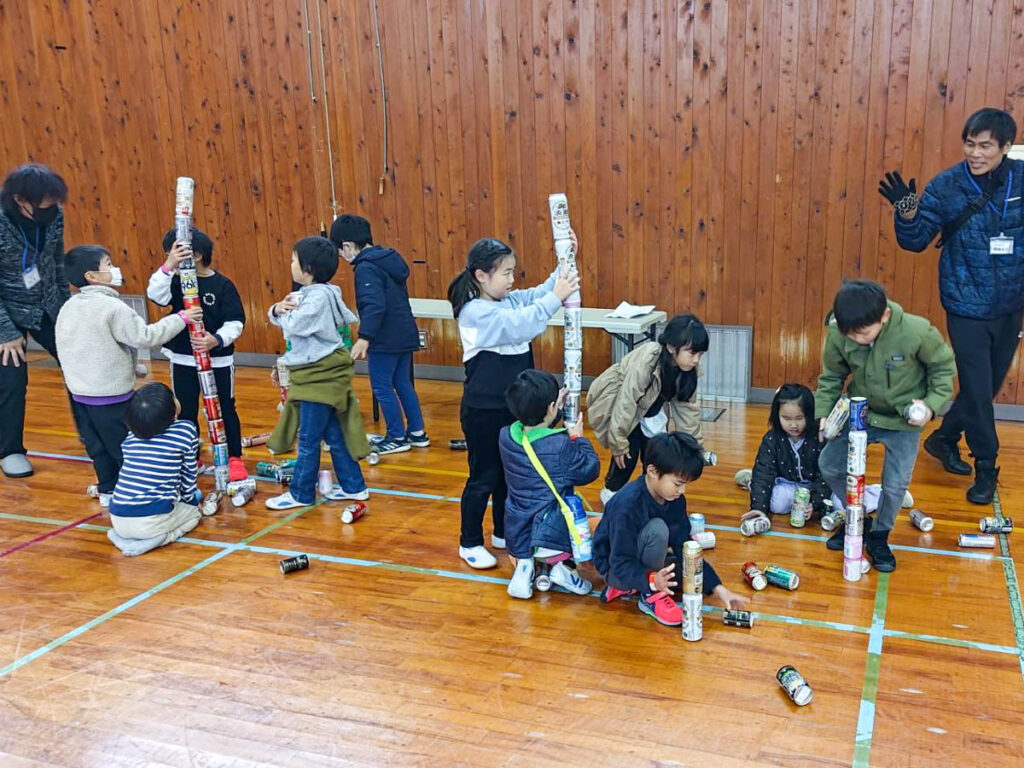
(390, 445)
(947, 452)
(986, 475)
(417, 441)
(835, 541)
(877, 545)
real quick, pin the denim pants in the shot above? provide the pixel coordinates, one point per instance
(318, 422)
(391, 382)
(900, 457)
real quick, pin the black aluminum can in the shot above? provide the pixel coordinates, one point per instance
(292, 564)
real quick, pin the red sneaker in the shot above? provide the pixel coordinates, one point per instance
(236, 469)
(610, 593)
(662, 608)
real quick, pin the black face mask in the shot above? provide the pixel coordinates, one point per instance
(44, 216)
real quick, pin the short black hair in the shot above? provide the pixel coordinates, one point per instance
(202, 245)
(349, 228)
(858, 304)
(33, 182)
(318, 257)
(1001, 124)
(82, 259)
(530, 394)
(151, 411)
(802, 396)
(675, 453)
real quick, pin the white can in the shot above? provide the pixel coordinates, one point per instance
(853, 547)
(284, 380)
(851, 569)
(183, 234)
(916, 411)
(857, 452)
(755, 526)
(207, 383)
(565, 254)
(324, 482)
(573, 379)
(573, 338)
(693, 618)
(243, 495)
(558, 206)
(184, 196)
(706, 539)
(696, 523)
(921, 521)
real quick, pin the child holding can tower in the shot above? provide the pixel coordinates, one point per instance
(223, 311)
(646, 524)
(535, 526)
(892, 358)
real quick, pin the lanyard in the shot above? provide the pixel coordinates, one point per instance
(1006, 197)
(25, 266)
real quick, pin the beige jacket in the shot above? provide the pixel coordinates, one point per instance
(619, 398)
(98, 337)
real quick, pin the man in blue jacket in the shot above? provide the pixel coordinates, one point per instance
(387, 331)
(977, 206)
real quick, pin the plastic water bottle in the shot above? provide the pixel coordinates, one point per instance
(581, 551)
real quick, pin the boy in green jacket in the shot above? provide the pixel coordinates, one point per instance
(893, 359)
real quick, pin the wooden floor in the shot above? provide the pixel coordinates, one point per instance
(390, 651)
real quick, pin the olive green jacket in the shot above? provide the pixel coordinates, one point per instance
(908, 361)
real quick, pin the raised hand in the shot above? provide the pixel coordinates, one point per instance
(902, 195)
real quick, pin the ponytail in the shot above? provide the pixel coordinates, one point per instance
(485, 255)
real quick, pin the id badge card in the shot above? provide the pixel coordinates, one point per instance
(31, 276)
(1000, 246)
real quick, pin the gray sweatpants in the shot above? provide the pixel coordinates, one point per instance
(897, 470)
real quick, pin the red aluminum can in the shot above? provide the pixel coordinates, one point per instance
(217, 432)
(854, 490)
(211, 407)
(191, 302)
(353, 512)
(202, 358)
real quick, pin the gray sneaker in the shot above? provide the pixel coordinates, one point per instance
(16, 465)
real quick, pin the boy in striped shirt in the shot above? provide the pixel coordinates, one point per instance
(156, 500)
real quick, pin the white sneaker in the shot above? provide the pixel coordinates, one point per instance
(908, 500)
(496, 542)
(606, 496)
(284, 501)
(478, 557)
(568, 578)
(521, 583)
(337, 493)
(743, 477)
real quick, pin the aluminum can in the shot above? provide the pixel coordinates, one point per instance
(851, 569)
(218, 434)
(202, 358)
(573, 378)
(855, 490)
(243, 495)
(710, 458)
(184, 195)
(207, 383)
(220, 454)
(743, 619)
(696, 523)
(921, 521)
(693, 568)
(191, 302)
(706, 539)
(754, 526)
(297, 563)
(980, 540)
(753, 576)
(558, 207)
(995, 525)
(858, 413)
(857, 453)
(800, 510)
(573, 336)
(353, 512)
(915, 412)
(324, 482)
(855, 521)
(260, 439)
(794, 685)
(221, 477)
(571, 407)
(781, 577)
(211, 407)
(853, 547)
(238, 485)
(837, 419)
(284, 380)
(832, 518)
(693, 618)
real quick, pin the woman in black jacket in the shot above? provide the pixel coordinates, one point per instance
(32, 291)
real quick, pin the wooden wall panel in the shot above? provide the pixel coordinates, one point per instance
(720, 158)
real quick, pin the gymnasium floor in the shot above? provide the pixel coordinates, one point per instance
(390, 651)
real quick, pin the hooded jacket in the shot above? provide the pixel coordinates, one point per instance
(620, 397)
(382, 300)
(533, 517)
(908, 361)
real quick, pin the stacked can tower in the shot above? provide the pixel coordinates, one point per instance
(856, 467)
(558, 204)
(693, 591)
(184, 196)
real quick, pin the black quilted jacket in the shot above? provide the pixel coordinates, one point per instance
(21, 307)
(775, 458)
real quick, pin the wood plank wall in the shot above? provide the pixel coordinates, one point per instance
(720, 157)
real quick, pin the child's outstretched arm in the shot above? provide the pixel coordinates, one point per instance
(494, 327)
(131, 330)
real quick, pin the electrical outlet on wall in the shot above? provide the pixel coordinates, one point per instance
(423, 339)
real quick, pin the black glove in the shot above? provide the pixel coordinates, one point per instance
(896, 191)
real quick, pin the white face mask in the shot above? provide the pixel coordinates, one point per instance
(116, 278)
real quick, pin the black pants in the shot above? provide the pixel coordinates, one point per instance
(185, 381)
(984, 350)
(486, 473)
(616, 478)
(102, 429)
(13, 386)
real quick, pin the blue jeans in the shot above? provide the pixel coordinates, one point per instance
(391, 374)
(318, 422)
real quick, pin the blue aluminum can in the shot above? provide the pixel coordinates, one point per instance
(858, 413)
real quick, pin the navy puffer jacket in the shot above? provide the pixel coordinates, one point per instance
(382, 298)
(972, 282)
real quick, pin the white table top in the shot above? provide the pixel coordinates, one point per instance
(440, 309)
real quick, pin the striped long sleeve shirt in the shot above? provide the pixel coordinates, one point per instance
(157, 472)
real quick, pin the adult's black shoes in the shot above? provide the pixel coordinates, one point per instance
(946, 451)
(986, 475)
